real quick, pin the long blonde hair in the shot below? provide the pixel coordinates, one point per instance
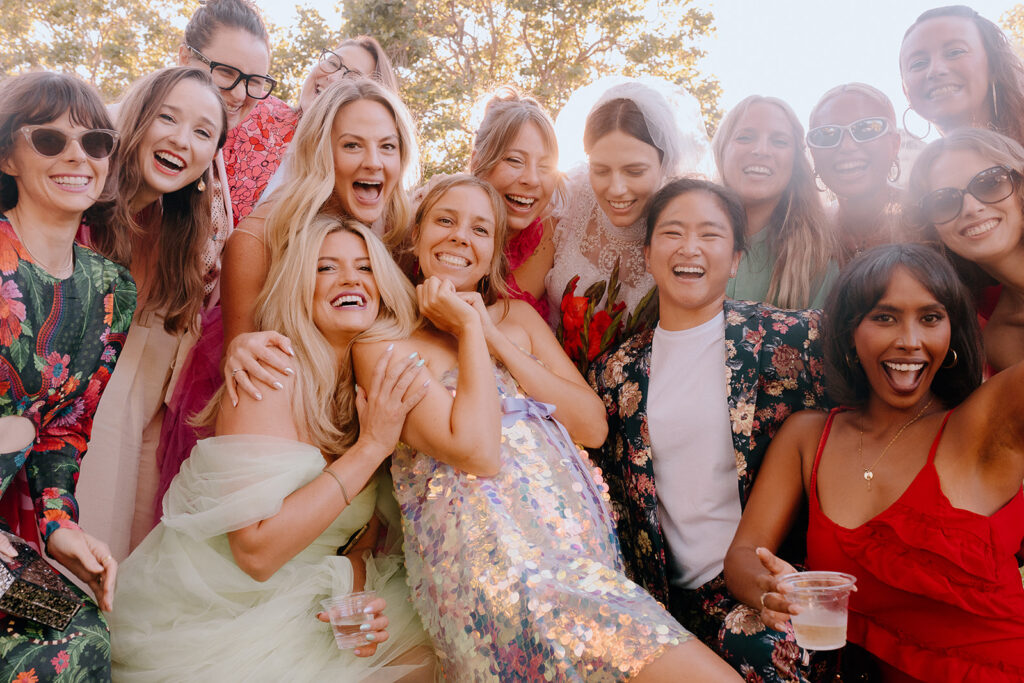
(799, 237)
(324, 401)
(310, 182)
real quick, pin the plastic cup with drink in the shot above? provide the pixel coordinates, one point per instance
(823, 599)
(348, 616)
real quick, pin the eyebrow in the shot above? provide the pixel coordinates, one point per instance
(882, 306)
(683, 224)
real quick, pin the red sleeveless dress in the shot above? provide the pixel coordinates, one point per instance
(939, 593)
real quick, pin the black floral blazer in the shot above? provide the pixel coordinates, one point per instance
(773, 368)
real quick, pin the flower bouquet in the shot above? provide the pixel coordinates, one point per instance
(586, 331)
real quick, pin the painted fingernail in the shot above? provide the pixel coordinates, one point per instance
(289, 371)
(413, 355)
(366, 627)
(391, 347)
(369, 610)
(371, 637)
(427, 383)
(420, 363)
(291, 351)
(234, 402)
(278, 385)
(259, 396)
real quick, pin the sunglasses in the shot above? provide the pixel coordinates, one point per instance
(864, 130)
(226, 77)
(47, 141)
(331, 62)
(988, 187)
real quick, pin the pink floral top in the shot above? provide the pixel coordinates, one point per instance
(519, 249)
(253, 151)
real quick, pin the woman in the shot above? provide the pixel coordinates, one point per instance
(172, 124)
(516, 151)
(493, 491)
(914, 488)
(855, 146)
(226, 586)
(359, 57)
(633, 146)
(968, 190)
(760, 154)
(229, 39)
(66, 311)
(960, 70)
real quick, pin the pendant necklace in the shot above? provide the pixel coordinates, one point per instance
(869, 472)
(61, 273)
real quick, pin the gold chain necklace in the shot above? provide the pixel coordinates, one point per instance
(60, 273)
(869, 473)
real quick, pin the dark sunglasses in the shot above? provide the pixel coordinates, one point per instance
(330, 62)
(864, 130)
(48, 141)
(988, 187)
(226, 77)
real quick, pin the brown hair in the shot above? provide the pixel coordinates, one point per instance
(504, 116)
(185, 216)
(618, 114)
(39, 98)
(215, 14)
(383, 71)
(492, 286)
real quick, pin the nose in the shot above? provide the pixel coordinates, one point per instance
(74, 151)
(371, 158)
(530, 174)
(937, 67)
(970, 205)
(762, 147)
(689, 244)
(348, 273)
(846, 142)
(909, 334)
(460, 233)
(618, 185)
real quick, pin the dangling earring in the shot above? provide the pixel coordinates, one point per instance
(954, 362)
(851, 359)
(201, 185)
(894, 172)
(904, 120)
(995, 104)
(820, 184)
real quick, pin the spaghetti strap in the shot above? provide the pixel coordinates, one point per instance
(938, 436)
(821, 448)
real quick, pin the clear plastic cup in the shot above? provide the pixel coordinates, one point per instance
(823, 599)
(347, 617)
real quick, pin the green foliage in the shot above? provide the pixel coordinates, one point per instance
(108, 42)
(1012, 22)
(450, 54)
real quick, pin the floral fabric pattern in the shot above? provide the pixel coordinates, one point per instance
(773, 368)
(254, 149)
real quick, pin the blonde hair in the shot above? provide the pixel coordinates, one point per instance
(324, 401)
(799, 237)
(868, 91)
(493, 286)
(310, 182)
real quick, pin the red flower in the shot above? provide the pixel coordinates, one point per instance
(12, 312)
(26, 677)
(56, 370)
(61, 661)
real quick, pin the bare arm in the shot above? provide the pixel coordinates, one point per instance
(770, 512)
(554, 379)
(464, 431)
(262, 548)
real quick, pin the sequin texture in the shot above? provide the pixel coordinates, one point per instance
(519, 576)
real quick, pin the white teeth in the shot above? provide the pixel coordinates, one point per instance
(171, 159)
(453, 260)
(349, 300)
(371, 183)
(981, 228)
(77, 180)
(903, 367)
(689, 270)
(758, 170)
(851, 166)
(520, 199)
(621, 205)
(943, 90)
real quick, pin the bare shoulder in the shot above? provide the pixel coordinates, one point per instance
(271, 415)
(802, 430)
(253, 225)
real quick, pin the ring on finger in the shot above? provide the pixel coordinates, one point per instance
(763, 596)
(236, 371)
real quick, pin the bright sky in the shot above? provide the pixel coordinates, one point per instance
(792, 49)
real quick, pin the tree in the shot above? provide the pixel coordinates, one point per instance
(449, 53)
(1013, 23)
(108, 42)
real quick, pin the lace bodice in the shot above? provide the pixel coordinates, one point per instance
(588, 245)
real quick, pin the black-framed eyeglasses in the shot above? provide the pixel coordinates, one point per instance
(226, 77)
(863, 130)
(48, 141)
(331, 62)
(988, 187)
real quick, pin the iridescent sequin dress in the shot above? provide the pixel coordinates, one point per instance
(519, 576)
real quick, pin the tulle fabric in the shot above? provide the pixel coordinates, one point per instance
(186, 611)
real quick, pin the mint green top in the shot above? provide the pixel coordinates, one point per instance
(754, 274)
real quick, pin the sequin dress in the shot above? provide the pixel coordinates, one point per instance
(518, 577)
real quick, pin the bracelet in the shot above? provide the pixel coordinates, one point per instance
(344, 493)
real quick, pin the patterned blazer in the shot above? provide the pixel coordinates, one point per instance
(773, 368)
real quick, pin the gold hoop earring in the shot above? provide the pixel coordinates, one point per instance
(904, 121)
(852, 360)
(955, 360)
(894, 172)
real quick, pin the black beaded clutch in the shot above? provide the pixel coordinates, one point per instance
(30, 588)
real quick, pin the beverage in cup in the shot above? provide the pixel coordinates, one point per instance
(823, 598)
(347, 617)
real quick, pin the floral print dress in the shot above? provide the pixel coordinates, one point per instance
(59, 340)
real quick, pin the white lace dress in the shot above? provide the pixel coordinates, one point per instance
(588, 245)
